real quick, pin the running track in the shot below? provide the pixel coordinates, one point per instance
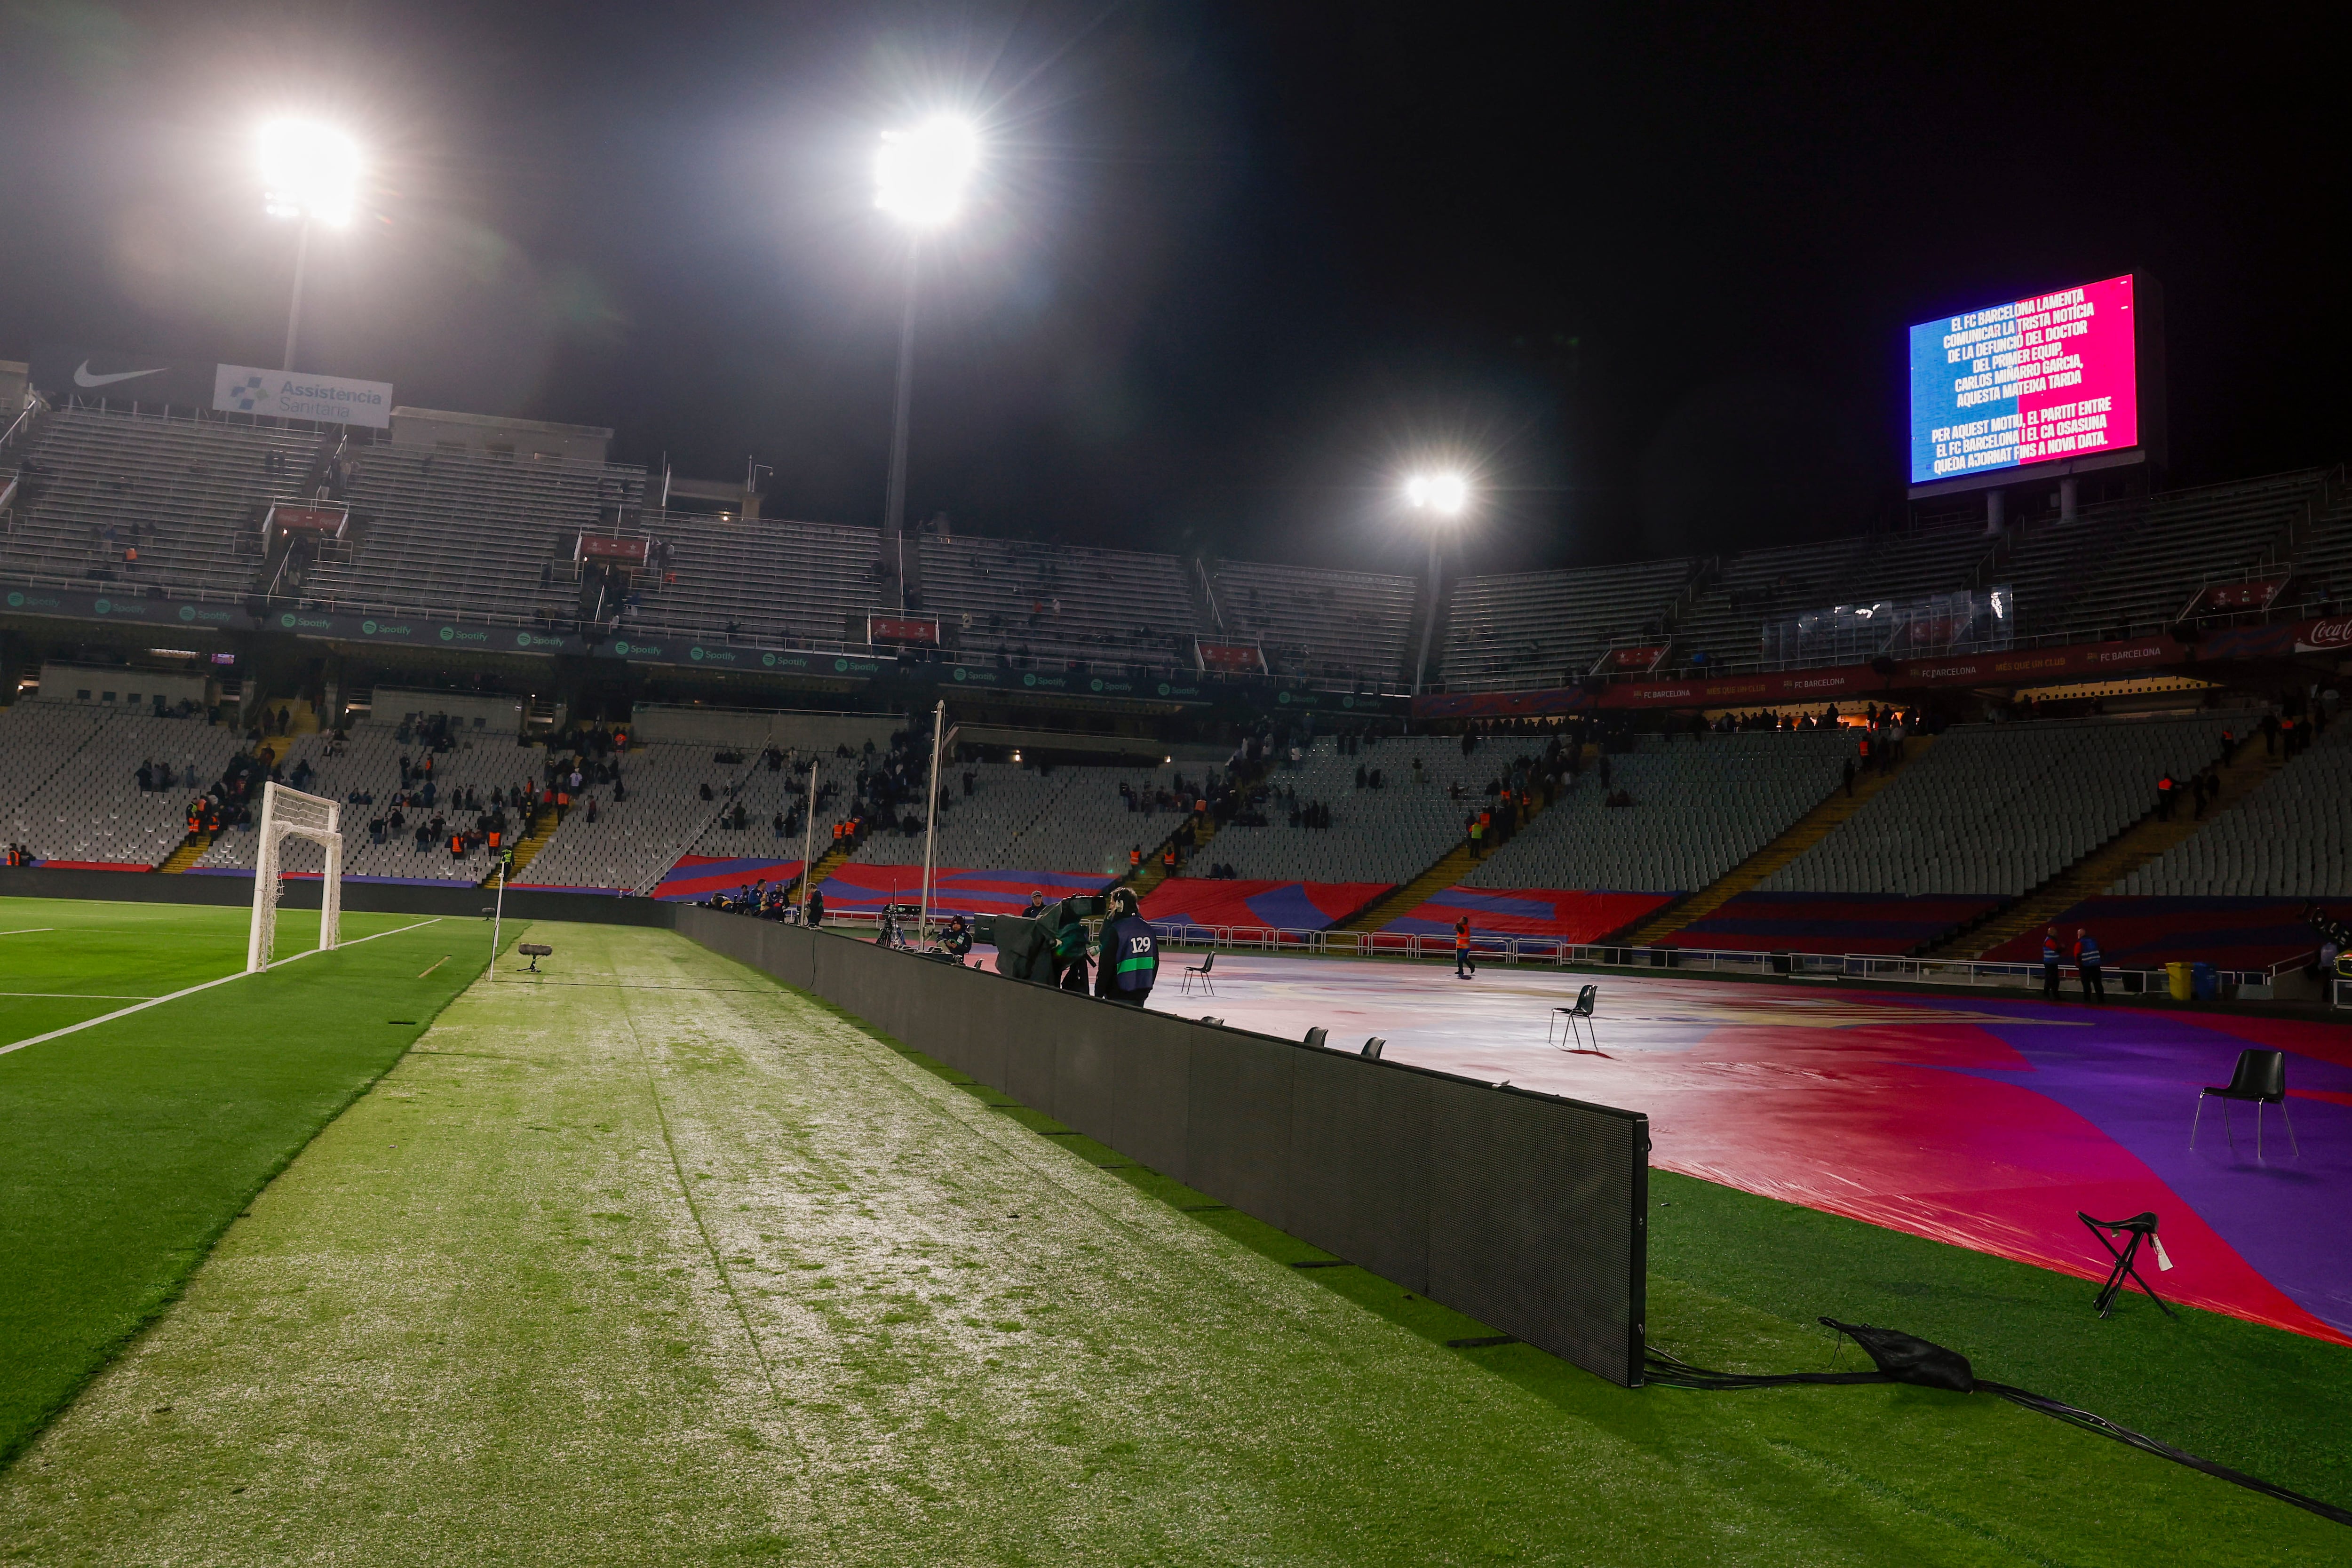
(1978, 1121)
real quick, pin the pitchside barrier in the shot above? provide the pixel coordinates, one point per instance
(1523, 1210)
(454, 898)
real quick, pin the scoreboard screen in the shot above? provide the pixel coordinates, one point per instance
(2032, 381)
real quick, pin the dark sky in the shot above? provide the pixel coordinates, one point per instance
(1232, 268)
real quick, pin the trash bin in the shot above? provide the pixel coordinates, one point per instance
(2205, 981)
(2179, 975)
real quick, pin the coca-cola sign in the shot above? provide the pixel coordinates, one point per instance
(2325, 636)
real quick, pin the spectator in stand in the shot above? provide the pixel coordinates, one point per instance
(2269, 734)
(2087, 959)
(2052, 960)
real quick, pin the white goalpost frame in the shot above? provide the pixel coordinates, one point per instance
(290, 814)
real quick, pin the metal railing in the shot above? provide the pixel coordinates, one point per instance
(1557, 953)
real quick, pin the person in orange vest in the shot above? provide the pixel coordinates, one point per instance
(1135, 858)
(494, 838)
(1167, 860)
(1465, 967)
(1865, 750)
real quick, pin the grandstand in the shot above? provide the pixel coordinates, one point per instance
(1020, 817)
(68, 782)
(147, 501)
(1700, 806)
(1544, 629)
(2001, 809)
(365, 760)
(1387, 835)
(777, 581)
(1333, 626)
(1047, 601)
(2292, 837)
(475, 533)
(634, 842)
(464, 533)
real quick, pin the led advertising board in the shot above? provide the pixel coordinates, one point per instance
(2032, 381)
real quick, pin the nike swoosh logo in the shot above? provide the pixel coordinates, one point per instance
(83, 378)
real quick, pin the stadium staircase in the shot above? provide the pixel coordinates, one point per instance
(2119, 857)
(526, 850)
(1456, 864)
(1802, 834)
(826, 864)
(1152, 873)
(190, 849)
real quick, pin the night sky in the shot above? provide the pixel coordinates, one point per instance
(1232, 268)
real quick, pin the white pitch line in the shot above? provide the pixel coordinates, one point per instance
(80, 995)
(175, 996)
(27, 931)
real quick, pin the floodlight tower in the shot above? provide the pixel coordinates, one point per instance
(1440, 498)
(919, 176)
(309, 173)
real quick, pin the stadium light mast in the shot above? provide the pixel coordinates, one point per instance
(309, 173)
(920, 178)
(943, 735)
(1440, 498)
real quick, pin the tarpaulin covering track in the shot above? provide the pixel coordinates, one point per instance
(1563, 912)
(696, 876)
(953, 889)
(2228, 933)
(1265, 906)
(1890, 924)
(1979, 1122)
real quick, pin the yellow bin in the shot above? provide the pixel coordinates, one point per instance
(2179, 976)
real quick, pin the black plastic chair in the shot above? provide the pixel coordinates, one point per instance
(2140, 1228)
(2261, 1077)
(1208, 988)
(1582, 1009)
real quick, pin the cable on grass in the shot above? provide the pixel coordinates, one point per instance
(1899, 1357)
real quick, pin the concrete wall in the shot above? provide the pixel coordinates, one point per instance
(499, 715)
(129, 687)
(1525, 1210)
(521, 439)
(753, 730)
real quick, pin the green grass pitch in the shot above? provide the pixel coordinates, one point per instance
(655, 1261)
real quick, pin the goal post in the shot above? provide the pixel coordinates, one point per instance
(289, 813)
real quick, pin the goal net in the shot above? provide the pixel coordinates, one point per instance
(289, 813)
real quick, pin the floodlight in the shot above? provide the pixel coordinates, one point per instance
(920, 174)
(1442, 493)
(308, 170)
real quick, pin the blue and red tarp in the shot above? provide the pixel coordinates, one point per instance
(697, 877)
(1889, 923)
(955, 890)
(1266, 906)
(1567, 913)
(2141, 931)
